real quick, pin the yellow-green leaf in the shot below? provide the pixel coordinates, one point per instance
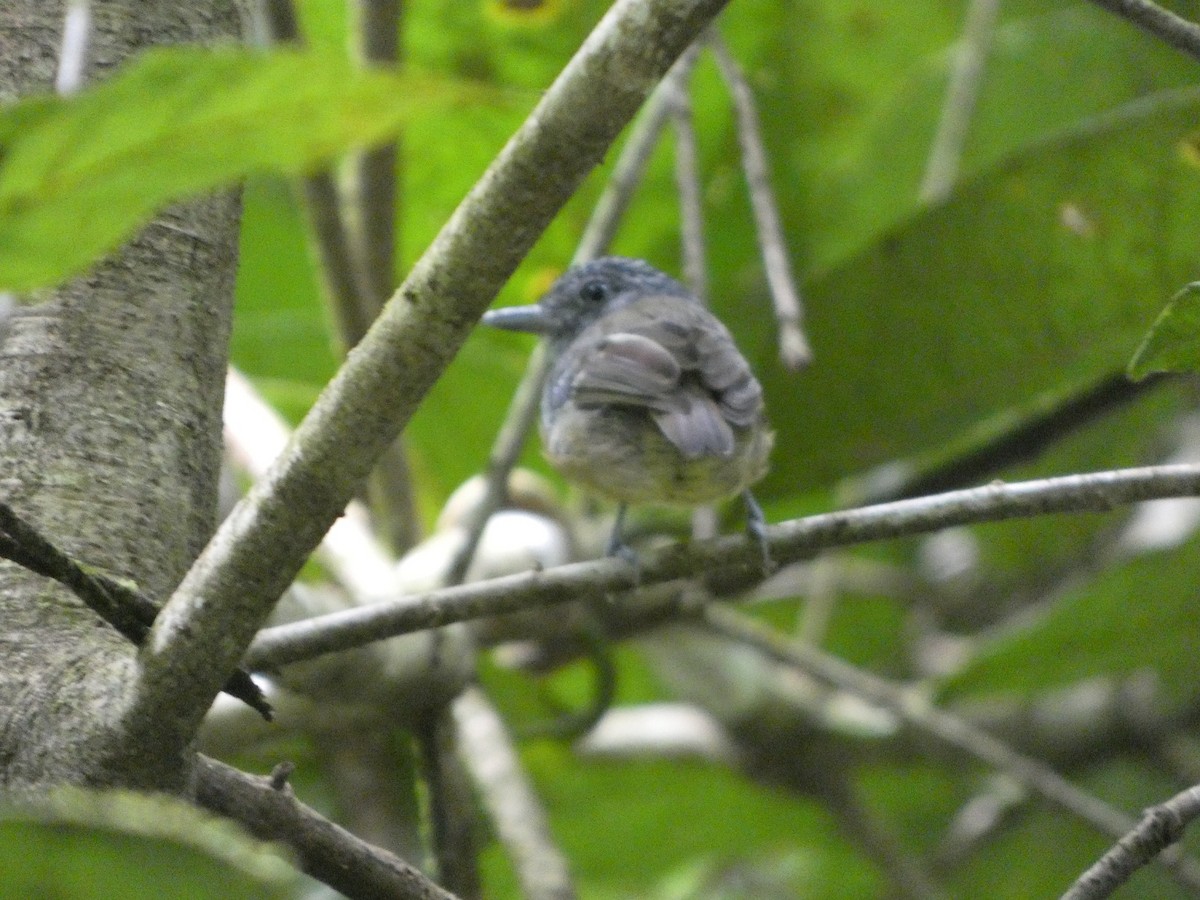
(78, 175)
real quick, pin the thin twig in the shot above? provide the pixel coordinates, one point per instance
(794, 351)
(732, 561)
(949, 729)
(375, 196)
(970, 54)
(450, 814)
(123, 607)
(327, 852)
(372, 208)
(1162, 23)
(687, 177)
(72, 60)
(118, 603)
(629, 169)
(1159, 828)
(1023, 441)
(492, 762)
(506, 450)
(343, 278)
(676, 90)
(909, 879)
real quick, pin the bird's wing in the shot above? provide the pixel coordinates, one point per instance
(725, 373)
(626, 368)
(681, 365)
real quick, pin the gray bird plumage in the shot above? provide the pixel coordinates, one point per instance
(648, 398)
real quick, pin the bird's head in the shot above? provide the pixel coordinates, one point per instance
(585, 293)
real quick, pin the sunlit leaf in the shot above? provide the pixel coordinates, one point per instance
(78, 175)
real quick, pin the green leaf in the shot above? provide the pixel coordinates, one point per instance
(1140, 616)
(1031, 282)
(78, 175)
(1173, 342)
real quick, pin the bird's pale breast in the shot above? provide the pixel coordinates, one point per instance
(620, 453)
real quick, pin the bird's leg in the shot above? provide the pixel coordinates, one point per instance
(616, 542)
(756, 527)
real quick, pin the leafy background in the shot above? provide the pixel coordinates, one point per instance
(934, 328)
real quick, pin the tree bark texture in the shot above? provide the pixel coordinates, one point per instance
(110, 424)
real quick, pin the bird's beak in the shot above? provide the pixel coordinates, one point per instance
(519, 318)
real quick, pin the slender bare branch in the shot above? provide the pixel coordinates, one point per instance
(907, 874)
(687, 177)
(449, 810)
(492, 762)
(794, 351)
(118, 603)
(630, 167)
(344, 280)
(941, 169)
(952, 731)
(269, 810)
(506, 450)
(1162, 23)
(375, 195)
(731, 562)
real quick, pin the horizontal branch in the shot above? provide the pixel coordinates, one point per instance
(731, 562)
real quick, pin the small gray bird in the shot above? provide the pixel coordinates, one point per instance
(648, 400)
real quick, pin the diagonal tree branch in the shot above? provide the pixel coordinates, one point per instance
(492, 761)
(1162, 23)
(1159, 828)
(794, 351)
(952, 731)
(962, 91)
(118, 603)
(208, 623)
(270, 811)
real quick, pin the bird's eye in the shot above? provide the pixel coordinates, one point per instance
(593, 291)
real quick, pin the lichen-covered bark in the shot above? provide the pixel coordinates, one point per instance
(110, 401)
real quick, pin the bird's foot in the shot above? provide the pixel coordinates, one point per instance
(618, 548)
(756, 528)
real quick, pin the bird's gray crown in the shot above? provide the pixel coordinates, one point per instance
(585, 292)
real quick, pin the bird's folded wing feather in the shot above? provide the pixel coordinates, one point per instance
(629, 369)
(685, 371)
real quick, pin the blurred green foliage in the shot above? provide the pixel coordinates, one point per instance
(935, 327)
